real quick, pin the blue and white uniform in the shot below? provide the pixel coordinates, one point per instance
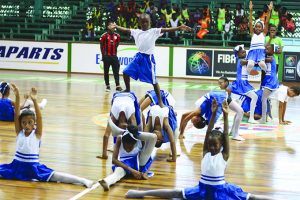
(246, 101)
(131, 158)
(126, 102)
(142, 66)
(212, 184)
(257, 48)
(165, 112)
(241, 86)
(205, 103)
(270, 81)
(7, 111)
(166, 98)
(26, 166)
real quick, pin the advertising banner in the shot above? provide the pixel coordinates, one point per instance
(86, 58)
(224, 64)
(42, 56)
(291, 66)
(199, 62)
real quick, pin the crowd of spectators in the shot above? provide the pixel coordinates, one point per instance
(225, 21)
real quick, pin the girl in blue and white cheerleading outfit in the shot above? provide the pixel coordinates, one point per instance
(212, 185)
(125, 110)
(7, 106)
(241, 86)
(163, 123)
(202, 114)
(270, 82)
(26, 166)
(151, 99)
(258, 109)
(132, 154)
(256, 53)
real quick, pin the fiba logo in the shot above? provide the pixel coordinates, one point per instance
(290, 61)
(199, 63)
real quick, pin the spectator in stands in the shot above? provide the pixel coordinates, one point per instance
(228, 12)
(121, 8)
(196, 16)
(227, 32)
(274, 19)
(97, 16)
(264, 14)
(289, 24)
(243, 30)
(89, 26)
(147, 4)
(185, 14)
(109, 43)
(163, 9)
(131, 6)
(110, 7)
(122, 20)
(151, 9)
(168, 17)
(174, 22)
(133, 21)
(239, 13)
(174, 8)
(204, 22)
(143, 7)
(154, 16)
(161, 23)
(221, 17)
(138, 11)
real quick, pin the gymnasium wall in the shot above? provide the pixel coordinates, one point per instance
(170, 61)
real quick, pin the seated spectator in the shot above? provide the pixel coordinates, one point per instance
(122, 20)
(89, 26)
(196, 16)
(239, 13)
(174, 8)
(227, 32)
(163, 9)
(110, 7)
(204, 23)
(161, 23)
(185, 14)
(133, 22)
(289, 24)
(243, 29)
(174, 22)
(263, 15)
(97, 16)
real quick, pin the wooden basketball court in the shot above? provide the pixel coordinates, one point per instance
(75, 117)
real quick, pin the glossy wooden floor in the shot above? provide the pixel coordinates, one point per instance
(267, 163)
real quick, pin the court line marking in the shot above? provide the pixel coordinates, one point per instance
(84, 192)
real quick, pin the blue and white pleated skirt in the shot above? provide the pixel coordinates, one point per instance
(26, 171)
(270, 82)
(241, 87)
(225, 191)
(256, 55)
(133, 163)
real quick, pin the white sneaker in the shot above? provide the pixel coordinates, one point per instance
(43, 104)
(252, 121)
(238, 138)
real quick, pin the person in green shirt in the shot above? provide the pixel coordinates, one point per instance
(272, 38)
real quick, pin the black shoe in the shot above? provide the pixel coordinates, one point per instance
(119, 89)
(107, 88)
